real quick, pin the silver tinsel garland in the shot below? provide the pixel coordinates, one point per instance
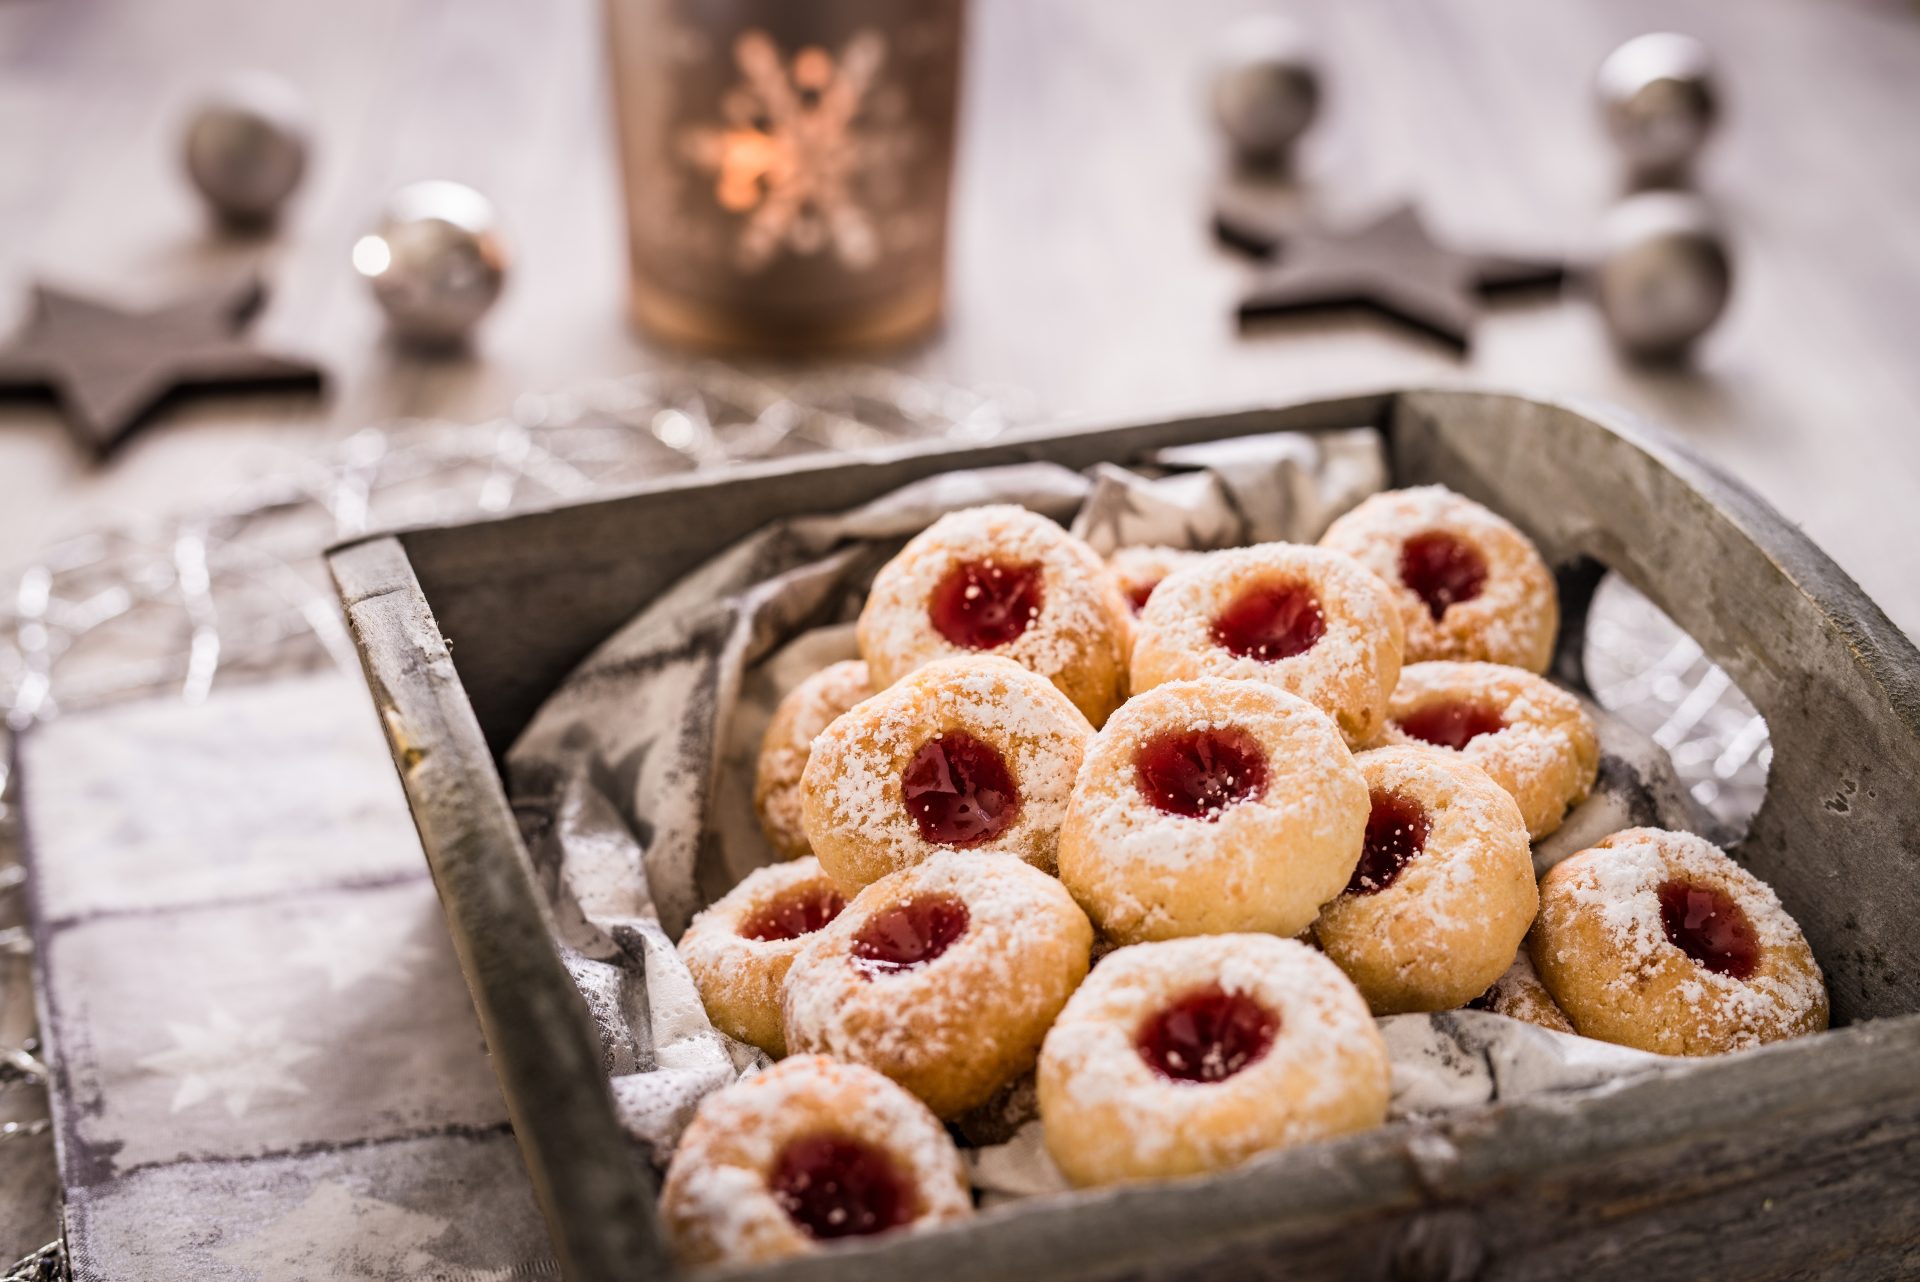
(48, 1264)
(239, 589)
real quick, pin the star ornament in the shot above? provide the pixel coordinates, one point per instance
(1390, 265)
(109, 369)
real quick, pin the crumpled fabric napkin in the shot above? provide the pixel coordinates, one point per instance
(633, 783)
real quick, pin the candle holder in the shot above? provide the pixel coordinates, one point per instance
(786, 167)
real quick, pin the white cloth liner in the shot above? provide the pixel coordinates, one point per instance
(634, 782)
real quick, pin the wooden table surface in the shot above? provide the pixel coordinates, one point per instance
(1083, 268)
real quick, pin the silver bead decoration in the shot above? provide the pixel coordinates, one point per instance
(1664, 274)
(1659, 100)
(1266, 90)
(436, 261)
(246, 146)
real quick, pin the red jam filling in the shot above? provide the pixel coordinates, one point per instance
(909, 935)
(1207, 1036)
(1451, 724)
(833, 1186)
(959, 791)
(1397, 828)
(1270, 622)
(1199, 773)
(1708, 926)
(1137, 595)
(793, 914)
(982, 605)
(1442, 570)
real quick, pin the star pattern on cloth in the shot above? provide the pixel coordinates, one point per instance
(797, 135)
(109, 368)
(354, 948)
(230, 1060)
(1390, 264)
(346, 1236)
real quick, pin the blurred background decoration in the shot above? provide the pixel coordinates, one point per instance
(1266, 90)
(786, 167)
(235, 590)
(107, 369)
(245, 147)
(1663, 275)
(436, 261)
(1659, 101)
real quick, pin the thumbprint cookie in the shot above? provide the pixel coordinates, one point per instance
(1193, 1055)
(1468, 584)
(739, 949)
(1519, 994)
(1532, 737)
(1444, 891)
(809, 708)
(1657, 940)
(944, 977)
(970, 754)
(1139, 570)
(1311, 622)
(1001, 580)
(803, 1154)
(1212, 806)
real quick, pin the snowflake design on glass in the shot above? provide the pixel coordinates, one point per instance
(800, 141)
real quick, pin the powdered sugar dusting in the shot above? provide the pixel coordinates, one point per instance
(1348, 673)
(1108, 1115)
(1077, 641)
(1516, 616)
(1643, 977)
(717, 1204)
(958, 1028)
(856, 811)
(1547, 756)
(809, 708)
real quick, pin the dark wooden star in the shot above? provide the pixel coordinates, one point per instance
(1390, 264)
(109, 369)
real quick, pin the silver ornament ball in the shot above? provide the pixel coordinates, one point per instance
(1659, 99)
(246, 146)
(1265, 89)
(1664, 274)
(436, 261)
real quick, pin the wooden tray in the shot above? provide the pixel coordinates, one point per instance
(1794, 1159)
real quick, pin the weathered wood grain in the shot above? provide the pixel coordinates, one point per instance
(597, 1199)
